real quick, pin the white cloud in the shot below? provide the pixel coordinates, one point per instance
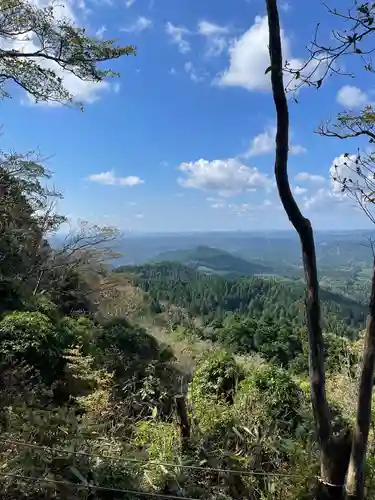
(306, 177)
(110, 179)
(297, 149)
(216, 37)
(352, 97)
(264, 143)
(318, 200)
(285, 6)
(324, 200)
(62, 9)
(247, 208)
(141, 24)
(139, 216)
(218, 205)
(129, 3)
(249, 59)
(193, 73)
(207, 28)
(176, 34)
(299, 190)
(328, 197)
(100, 32)
(227, 177)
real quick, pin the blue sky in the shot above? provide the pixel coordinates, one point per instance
(184, 139)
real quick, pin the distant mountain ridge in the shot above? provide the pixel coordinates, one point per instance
(212, 260)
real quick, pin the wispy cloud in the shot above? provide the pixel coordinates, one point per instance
(110, 179)
(141, 24)
(177, 35)
(352, 97)
(193, 73)
(307, 177)
(216, 37)
(264, 144)
(100, 32)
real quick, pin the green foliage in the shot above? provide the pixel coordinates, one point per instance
(55, 429)
(216, 376)
(23, 221)
(277, 341)
(31, 337)
(43, 304)
(279, 397)
(54, 44)
(70, 292)
(338, 353)
(77, 331)
(142, 368)
(161, 442)
(118, 335)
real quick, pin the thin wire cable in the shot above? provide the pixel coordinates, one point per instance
(96, 487)
(148, 462)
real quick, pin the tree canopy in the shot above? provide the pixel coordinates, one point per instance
(39, 45)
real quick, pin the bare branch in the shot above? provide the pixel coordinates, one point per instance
(352, 39)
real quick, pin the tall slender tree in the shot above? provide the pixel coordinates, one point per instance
(334, 449)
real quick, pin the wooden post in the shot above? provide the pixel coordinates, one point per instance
(183, 419)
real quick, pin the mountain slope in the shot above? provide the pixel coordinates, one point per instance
(213, 297)
(214, 261)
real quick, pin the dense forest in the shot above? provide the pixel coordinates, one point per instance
(215, 261)
(214, 297)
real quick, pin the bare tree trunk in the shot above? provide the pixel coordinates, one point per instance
(355, 480)
(334, 451)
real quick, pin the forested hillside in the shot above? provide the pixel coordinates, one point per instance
(267, 298)
(215, 261)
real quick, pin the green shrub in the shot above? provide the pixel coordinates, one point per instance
(32, 338)
(216, 376)
(77, 331)
(131, 340)
(162, 442)
(270, 394)
(126, 349)
(337, 353)
(43, 304)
